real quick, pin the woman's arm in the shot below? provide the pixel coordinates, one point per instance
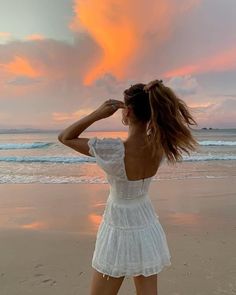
(69, 136)
(74, 130)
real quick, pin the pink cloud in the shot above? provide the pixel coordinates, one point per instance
(221, 61)
(40, 66)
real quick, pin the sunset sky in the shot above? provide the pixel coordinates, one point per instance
(61, 59)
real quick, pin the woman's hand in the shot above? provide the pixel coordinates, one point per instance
(108, 108)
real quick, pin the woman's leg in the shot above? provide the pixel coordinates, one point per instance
(105, 285)
(146, 285)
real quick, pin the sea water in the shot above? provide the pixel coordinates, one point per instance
(38, 157)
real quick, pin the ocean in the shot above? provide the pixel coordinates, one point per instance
(38, 157)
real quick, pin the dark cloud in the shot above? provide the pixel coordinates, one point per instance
(184, 85)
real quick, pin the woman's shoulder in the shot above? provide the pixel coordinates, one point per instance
(105, 146)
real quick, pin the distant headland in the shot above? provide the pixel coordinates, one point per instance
(210, 128)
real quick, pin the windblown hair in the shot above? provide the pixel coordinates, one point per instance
(168, 119)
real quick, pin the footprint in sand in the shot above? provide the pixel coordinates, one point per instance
(39, 274)
(38, 265)
(52, 282)
(45, 281)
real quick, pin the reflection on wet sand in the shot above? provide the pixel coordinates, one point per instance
(63, 208)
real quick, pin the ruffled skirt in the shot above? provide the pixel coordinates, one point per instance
(130, 239)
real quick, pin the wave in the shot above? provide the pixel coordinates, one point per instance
(217, 143)
(43, 145)
(46, 159)
(20, 146)
(85, 159)
(10, 178)
(197, 158)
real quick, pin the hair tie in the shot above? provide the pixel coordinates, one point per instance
(151, 84)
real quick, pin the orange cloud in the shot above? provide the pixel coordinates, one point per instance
(21, 66)
(221, 61)
(34, 37)
(116, 37)
(122, 29)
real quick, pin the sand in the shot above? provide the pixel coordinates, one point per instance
(48, 232)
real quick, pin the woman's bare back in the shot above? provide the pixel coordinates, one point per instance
(138, 161)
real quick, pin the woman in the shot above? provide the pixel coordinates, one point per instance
(130, 239)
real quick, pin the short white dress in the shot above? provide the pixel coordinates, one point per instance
(130, 239)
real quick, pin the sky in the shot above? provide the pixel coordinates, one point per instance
(61, 59)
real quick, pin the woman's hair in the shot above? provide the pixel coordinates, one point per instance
(168, 118)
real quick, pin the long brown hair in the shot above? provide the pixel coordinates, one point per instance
(167, 115)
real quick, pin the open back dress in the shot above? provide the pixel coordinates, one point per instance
(130, 239)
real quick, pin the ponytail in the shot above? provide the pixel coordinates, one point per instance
(170, 121)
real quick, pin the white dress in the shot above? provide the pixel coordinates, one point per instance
(130, 239)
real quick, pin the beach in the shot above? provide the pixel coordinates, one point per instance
(48, 234)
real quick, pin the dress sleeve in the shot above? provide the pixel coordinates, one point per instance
(92, 145)
(108, 153)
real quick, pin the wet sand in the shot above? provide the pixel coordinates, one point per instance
(48, 232)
